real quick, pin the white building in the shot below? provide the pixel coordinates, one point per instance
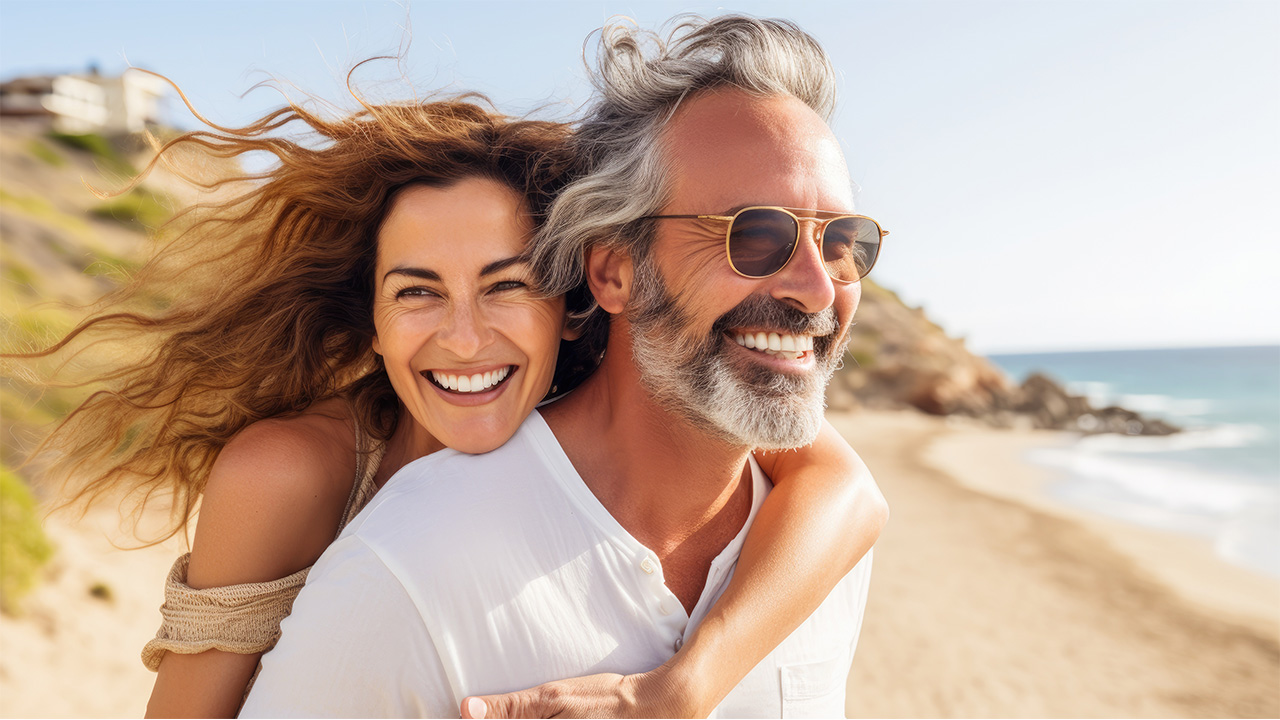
(89, 103)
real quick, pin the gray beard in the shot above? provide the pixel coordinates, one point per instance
(743, 404)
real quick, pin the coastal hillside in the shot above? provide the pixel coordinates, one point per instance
(62, 248)
(899, 358)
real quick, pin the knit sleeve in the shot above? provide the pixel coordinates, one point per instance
(243, 619)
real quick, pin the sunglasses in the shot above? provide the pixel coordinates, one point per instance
(760, 241)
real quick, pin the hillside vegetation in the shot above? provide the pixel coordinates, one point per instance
(61, 249)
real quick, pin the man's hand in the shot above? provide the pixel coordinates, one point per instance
(651, 694)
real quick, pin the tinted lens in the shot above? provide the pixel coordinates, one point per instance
(761, 241)
(850, 246)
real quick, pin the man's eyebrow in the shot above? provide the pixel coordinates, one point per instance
(499, 265)
(420, 273)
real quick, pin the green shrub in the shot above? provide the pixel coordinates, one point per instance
(45, 153)
(24, 549)
(136, 210)
(97, 146)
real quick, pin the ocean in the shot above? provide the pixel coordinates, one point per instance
(1219, 479)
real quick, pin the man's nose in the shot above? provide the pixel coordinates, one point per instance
(465, 332)
(804, 283)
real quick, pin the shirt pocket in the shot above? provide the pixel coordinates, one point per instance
(814, 689)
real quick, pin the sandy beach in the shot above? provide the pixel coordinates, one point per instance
(991, 600)
(988, 599)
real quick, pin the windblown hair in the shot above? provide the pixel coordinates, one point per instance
(640, 81)
(272, 290)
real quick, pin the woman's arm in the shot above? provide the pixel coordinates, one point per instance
(824, 514)
(272, 505)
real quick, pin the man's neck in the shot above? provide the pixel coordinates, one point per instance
(681, 492)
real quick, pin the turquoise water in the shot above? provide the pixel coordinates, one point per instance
(1220, 478)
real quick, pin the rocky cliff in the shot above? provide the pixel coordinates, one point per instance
(899, 358)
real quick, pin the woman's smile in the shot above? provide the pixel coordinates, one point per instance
(470, 387)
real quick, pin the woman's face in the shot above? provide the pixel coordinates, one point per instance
(469, 344)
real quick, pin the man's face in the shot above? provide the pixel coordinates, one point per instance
(689, 310)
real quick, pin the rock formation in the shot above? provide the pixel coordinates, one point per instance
(899, 358)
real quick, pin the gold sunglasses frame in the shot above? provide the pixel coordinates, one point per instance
(822, 228)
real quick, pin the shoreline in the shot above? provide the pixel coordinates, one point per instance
(1187, 564)
(991, 598)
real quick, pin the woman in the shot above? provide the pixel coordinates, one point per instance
(266, 392)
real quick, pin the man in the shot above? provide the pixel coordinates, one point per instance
(597, 538)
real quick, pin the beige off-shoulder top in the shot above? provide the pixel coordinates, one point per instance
(244, 619)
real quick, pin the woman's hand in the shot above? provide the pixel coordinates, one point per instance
(653, 694)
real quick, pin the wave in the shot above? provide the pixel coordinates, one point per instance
(1183, 408)
(1227, 435)
(1172, 486)
(1103, 394)
(1099, 394)
(1240, 513)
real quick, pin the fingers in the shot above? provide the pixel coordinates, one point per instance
(474, 707)
(538, 702)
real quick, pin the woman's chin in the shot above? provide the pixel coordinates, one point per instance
(477, 440)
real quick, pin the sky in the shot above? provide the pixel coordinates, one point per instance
(1055, 174)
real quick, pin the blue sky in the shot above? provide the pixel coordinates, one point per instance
(1056, 175)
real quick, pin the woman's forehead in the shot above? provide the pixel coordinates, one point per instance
(472, 222)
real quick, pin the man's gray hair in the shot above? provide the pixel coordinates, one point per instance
(640, 80)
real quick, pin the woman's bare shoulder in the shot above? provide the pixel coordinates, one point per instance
(275, 497)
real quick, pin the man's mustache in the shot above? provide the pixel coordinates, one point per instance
(762, 311)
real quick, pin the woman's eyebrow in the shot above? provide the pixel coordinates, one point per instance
(420, 273)
(498, 265)
(425, 274)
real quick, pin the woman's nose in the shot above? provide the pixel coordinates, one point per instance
(465, 333)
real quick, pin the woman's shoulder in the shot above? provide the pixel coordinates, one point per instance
(275, 497)
(316, 444)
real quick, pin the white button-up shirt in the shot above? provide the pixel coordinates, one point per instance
(480, 574)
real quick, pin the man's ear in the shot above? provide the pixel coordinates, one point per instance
(609, 274)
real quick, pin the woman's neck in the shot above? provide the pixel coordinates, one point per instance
(409, 442)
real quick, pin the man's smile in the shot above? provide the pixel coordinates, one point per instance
(758, 348)
(785, 345)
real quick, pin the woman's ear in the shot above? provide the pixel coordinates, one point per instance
(609, 274)
(377, 345)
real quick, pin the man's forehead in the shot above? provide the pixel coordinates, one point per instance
(735, 148)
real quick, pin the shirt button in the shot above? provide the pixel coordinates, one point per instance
(647, 566)
(679, 643)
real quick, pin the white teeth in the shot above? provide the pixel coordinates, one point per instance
(470, 383)
(788, 346)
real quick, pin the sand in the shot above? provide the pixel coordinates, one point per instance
(75, 650)
(990, 600)
(987, 599)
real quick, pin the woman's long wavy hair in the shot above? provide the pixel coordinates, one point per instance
(269, 294)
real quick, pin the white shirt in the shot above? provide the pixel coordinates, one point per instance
(480, 574)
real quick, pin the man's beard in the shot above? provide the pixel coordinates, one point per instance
(740, 402)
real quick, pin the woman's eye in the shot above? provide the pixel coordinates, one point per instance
(508, 285)
(414, 291)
